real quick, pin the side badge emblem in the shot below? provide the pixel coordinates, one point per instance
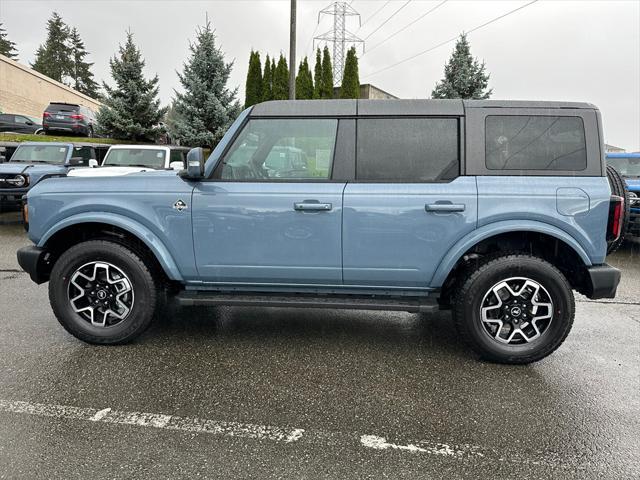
(180, 205)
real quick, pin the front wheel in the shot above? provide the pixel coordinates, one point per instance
(514, 309)
(102, 292)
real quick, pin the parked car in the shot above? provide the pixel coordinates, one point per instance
(34, 161)
(125, 159)
(15, 123)
(496, 209)
(69, 118)
(628, 164)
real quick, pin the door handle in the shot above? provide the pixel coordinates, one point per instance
(444, 207)
(312, 206)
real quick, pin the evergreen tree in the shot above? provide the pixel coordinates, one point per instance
(253, 88)
(350, 87)
(207, 106)
(81, 76)
(131, 109)
(317, 74)
(326, 86)
(53, 58)
(7, 47)
(304, 81)
(281, 80)
(267, 81)
(464, 76)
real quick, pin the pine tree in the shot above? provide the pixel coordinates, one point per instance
(267, 81)
(464, 76)
(53, 58)
(281, 80)
(206, 106)
(350, 87)
(131, 109)
(253, 89)
(326, 86)
(317, 75)
(304, 81)
(7, 47)
(81, 76)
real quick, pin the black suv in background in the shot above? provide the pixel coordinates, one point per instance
(70, 118)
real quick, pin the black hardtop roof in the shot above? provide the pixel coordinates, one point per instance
(452, 107)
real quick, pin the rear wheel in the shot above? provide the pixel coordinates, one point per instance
(514, 309)
(619, 188)
(103, 293)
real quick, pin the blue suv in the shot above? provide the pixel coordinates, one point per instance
(34, 161)
(495, 209)
(628, 165)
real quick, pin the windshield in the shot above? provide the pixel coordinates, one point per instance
(56, 154)
(135, 157)
(628, 167)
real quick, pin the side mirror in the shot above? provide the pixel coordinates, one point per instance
(93, 163)
(195, 165)
(76, 161)
(29, 122)
(176, 166)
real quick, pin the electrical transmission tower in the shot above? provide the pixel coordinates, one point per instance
(339, 35)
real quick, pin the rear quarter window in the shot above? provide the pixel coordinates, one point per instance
(535, 142)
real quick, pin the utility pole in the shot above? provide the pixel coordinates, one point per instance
(339, 35)
(292, 52)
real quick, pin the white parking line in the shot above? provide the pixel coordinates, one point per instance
(282, 435)
(155, 420)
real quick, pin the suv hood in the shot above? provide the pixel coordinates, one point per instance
(633, 183)
(31, 169)
(107, 171)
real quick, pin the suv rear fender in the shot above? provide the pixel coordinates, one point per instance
(150, 239)
(469, 241)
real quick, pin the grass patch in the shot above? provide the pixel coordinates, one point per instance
(10, 137)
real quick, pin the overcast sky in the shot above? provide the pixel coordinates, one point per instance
(551, 50)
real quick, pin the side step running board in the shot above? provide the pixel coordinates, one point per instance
(414, 305)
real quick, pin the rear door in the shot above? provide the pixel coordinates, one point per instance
(272, 213)
(408, 204)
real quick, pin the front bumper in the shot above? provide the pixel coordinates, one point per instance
(36, 261)
(12, 197)
(602, 281)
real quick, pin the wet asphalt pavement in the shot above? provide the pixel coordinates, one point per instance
(275, 393)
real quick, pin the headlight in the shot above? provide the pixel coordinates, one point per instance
(18, 181)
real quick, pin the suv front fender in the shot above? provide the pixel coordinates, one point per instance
(463, 245)
(145, 235)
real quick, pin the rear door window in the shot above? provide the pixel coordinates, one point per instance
(407, 149)
(535, 142)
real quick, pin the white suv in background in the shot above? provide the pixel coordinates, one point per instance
(125, 159)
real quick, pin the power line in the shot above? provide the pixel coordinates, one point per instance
(407, 26)
(375, 13)
(449, 40)
(389, 18)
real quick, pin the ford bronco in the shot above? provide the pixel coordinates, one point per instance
(495, 209)
(33, 161)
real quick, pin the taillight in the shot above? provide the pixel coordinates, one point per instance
(46, 115)
(616, 218)
(77, 116)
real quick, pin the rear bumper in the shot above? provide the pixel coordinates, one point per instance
(603, 281)
(36, 262)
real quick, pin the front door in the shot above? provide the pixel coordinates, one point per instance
(271, 214)
(409, 204)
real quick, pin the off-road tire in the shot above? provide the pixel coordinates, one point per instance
(619, 188)
(472, 289)
(145, 288)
